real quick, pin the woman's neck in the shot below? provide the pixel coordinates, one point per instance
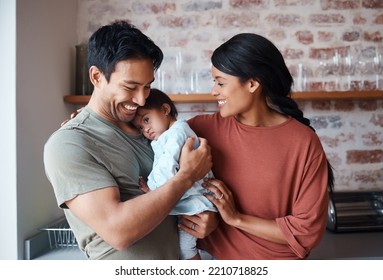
(262, 116)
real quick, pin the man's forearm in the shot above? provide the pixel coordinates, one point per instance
(139, 216)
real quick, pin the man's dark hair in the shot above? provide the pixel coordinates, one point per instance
(120, 41)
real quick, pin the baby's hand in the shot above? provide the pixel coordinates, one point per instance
(143, 186)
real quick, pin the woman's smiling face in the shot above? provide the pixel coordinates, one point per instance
(233, 97)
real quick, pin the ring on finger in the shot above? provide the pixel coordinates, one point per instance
(219, 198)
(193, 226)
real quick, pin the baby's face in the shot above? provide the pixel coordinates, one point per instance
(151, 122)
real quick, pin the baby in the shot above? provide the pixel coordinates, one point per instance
(157, 121)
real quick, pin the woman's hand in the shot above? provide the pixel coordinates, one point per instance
(223, 200)
(74, 114)
(200, 225)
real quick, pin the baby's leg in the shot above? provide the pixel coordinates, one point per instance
(188, 246)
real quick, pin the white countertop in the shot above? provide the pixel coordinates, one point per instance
(357, 245)
(73, 253)
(349, 245)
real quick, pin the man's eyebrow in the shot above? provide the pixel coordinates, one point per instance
(132, 82)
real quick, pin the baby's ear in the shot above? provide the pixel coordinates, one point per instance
(166, 109)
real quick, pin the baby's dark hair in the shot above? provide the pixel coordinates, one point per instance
(157, 98)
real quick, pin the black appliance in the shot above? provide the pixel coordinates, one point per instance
(355, 211)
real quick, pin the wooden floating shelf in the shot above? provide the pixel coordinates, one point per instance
(208, 98)
(338, 95)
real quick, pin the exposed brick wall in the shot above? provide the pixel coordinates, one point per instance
(304, 30)
(352, 135)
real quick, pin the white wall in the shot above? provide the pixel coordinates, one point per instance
(45, 40)
(8, 240)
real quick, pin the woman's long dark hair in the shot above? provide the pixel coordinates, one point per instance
(251, 56)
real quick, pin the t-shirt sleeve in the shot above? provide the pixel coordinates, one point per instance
(305, 227)
(195, 124)
(72, 167)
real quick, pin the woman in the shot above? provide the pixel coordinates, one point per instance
(273, 173)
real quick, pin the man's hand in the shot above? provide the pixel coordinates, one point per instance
(195, 163)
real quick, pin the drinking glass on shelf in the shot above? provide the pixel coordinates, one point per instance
(180, 81)
(162, 80)
(377, 68)
(301, 76)
(179, 61)
(336, 69)
(165, 76)
(200, 80)
(181, 74)
(348, 69)
(363, 67)
(323, 71)
(194, 80)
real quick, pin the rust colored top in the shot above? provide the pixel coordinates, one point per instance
(278, 173)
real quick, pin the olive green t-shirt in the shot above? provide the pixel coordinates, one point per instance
(90, 153)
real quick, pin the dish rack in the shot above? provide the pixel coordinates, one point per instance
(60, 234)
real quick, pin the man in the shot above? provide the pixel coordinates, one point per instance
(94, 161)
